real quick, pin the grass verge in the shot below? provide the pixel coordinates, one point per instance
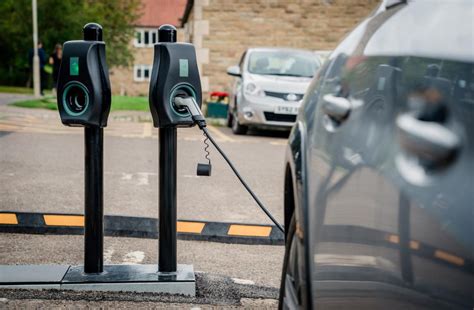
(16, 90)
(119, 103)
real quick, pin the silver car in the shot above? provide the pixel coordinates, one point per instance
(269, 87)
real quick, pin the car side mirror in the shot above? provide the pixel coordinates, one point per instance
(234, 71)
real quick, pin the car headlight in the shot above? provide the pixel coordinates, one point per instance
(253, 90)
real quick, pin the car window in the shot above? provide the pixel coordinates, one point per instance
(283, 63)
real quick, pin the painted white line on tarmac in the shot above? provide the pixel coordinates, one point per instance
(135, 257)
(147, 130)
(108, 255)
(243, 281)
(279, 142)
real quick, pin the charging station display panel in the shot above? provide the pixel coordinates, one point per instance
(183, 68)
(74, 66)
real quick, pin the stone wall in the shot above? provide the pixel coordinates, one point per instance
(223, 29)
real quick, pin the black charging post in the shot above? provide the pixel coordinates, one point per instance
(167, 182)
(94, 206)
(93, 190)
(175, 75)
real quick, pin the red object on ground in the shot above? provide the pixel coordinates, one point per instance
(220, 94)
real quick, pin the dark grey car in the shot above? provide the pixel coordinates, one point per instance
(379, 189)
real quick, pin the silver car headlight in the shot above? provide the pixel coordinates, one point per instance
(251, 89)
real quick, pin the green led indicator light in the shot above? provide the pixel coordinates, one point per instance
(74, 66)
(183, 68)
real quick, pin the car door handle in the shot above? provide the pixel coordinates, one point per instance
(431, 142)
(338, 108)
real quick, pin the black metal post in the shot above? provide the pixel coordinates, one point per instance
(167, 189)
(94, 202)
(167, 182)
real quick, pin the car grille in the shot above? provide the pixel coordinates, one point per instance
(289, 118)
(283, 95)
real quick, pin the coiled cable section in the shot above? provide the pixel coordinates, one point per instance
(206, 147)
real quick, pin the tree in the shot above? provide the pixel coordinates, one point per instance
(60, 21)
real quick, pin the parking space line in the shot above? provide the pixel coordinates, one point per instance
(64, 220)
(220, 134)
(8, 219)
(190, 227)
(284, 142)
(147, 130)
(248, 230)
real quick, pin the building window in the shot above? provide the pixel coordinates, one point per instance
(145, 37)
(141, 73)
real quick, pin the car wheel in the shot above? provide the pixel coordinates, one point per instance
(236, 127)
(289, 295)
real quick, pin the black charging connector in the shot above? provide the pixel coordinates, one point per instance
(191, 105)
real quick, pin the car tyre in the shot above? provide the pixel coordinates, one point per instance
(237, 128)
(287, 272)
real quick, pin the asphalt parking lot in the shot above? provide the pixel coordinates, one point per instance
(42, 171)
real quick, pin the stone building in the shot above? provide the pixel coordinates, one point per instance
(134, 80)
(222, 30)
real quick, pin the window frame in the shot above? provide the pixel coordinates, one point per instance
(140, 36)
(141, 68)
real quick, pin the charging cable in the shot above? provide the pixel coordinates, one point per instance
(191, 105)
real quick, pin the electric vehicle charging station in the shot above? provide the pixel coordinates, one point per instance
(175, 101)
(84, 99)
(175, 74)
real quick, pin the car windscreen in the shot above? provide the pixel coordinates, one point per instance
(283, 63)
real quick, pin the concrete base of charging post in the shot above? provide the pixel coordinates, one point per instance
(131, 278)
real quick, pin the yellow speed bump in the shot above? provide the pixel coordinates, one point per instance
(8, 218)
(64, 220)
(190, 227)
(250, 231)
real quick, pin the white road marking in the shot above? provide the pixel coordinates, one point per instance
(108, 255)
(243, 281)
(126, 176)
(279, 142)
(147, 130)
(143, 178)
(135, 257)
(190, 139)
